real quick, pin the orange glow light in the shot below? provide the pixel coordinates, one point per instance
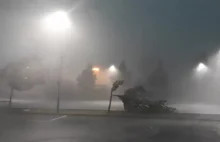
(95, 69)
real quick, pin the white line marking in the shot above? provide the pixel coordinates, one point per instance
(58, 118)
(26, 109)
(39, 121)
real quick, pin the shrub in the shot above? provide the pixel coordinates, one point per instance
(137, 99)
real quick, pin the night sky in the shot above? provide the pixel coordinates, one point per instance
(109, 31)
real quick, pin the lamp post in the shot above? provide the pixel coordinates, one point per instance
(58, 22)
(113, 73)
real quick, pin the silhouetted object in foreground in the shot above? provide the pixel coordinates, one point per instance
(87, 79)
(115, 86)
(137, 100)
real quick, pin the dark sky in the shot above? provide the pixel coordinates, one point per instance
(109, 31)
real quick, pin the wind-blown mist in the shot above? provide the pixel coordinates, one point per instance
(106, 33)
(198, 89)
(80, 92)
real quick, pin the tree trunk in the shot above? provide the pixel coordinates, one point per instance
(110, 102)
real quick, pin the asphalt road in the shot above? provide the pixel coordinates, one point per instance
(64, 104)
(201, 108)
(52, 128)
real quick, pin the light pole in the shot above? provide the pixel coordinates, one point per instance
(11, 95)
(59, 83)
(58, 22)
(113, 72)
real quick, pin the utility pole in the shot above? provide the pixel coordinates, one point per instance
(11, 95)
(59, 83)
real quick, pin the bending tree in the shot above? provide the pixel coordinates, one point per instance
(23, 75)
(137, 99)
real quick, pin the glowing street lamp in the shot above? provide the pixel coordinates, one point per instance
(112, 69)
(201, 68)
(95, 69)
(58, 22)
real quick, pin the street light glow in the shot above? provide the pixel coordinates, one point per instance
(95, 69)
(57, 22)
(112, 69)
(201, 67)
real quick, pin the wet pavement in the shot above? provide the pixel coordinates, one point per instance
(64, 128)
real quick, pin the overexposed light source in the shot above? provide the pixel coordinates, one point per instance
(112, 69)
(201, 68)
(96, 69)
(57, 22)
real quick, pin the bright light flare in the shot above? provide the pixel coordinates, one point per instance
(57, 22)
(96, 69)
(201, 68)
(112, 69)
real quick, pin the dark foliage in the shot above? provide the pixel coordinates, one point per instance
(87, 78)
(137, 99)
(24, 74)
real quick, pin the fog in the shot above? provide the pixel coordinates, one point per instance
(105, 33)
